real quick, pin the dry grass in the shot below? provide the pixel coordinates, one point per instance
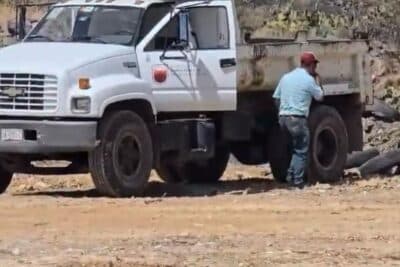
(6, 13)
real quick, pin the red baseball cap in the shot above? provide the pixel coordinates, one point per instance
(308, 58)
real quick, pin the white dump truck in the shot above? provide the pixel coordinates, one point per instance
(121, 87)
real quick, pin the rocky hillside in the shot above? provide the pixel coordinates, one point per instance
(376, 20)
(328, 17)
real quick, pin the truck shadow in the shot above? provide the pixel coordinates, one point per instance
(157, 189)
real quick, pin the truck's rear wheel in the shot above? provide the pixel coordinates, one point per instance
(279, 153)
(328, 145)
(199, 171)
(5, 179)
(121, 164)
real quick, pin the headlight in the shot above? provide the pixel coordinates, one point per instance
(81, 105)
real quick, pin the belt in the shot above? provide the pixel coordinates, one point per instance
(294, 116)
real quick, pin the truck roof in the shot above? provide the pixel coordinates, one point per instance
(132, 3)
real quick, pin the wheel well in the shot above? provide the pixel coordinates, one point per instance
(139, 106)
(350, 109)
(144, 110)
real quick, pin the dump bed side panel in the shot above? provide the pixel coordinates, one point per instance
(344, 66)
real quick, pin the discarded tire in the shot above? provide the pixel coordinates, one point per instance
(381, 110)
(356, 159)
(380, 163)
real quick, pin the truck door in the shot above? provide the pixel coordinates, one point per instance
(214, 56)
(200, 76)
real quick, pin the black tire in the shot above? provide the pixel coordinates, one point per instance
(380, 163)
(279, 153)
(200, 171)
(383, 111)
(121, 164)
(328, 145)
(5, 179)
(356, 159)
(168, 169)
(250, 153)
(352, 117)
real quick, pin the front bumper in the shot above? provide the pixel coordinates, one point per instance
(50, 136)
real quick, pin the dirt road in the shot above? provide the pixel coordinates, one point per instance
(246, 220)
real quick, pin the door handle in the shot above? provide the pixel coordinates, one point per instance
(129, 65)
(163, 57)
(227, 62)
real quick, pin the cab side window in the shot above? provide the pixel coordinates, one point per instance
(168, 35)
(151, 17)
(209, 26)
(208, 29)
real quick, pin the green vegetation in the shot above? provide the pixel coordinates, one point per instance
(325, 17)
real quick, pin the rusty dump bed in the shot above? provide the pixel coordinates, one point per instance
(344, 65)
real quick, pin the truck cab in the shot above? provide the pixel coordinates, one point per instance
(86, 60)
(119, 47)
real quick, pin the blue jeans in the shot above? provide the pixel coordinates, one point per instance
(297, 127)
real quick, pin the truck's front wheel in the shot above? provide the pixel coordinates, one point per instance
(121, 164)
(5, 179)
(198, 171)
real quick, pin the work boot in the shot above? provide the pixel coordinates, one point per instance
(298, 184)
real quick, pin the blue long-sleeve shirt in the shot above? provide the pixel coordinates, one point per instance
(295, 91)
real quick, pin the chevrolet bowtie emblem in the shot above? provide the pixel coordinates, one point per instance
(12, 91)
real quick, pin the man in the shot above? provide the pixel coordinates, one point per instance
(294, 95)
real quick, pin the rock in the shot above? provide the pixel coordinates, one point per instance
(323, 186)
(372, 183)
(40, 185)
(16, 252)
(369, 126)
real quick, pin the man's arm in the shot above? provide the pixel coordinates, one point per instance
(316, 89)
(277, 96)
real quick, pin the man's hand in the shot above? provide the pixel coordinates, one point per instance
(277, 103)
(318, 79)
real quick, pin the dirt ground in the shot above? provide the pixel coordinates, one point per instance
(246, 220)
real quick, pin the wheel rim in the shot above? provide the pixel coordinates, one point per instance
(127, 160)
(326, 148)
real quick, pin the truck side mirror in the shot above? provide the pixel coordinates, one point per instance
(183, 28)
(182, 41)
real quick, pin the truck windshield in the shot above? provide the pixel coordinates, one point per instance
(97, 24)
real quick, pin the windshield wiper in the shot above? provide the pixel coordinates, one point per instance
(89, 38)
(38, 36)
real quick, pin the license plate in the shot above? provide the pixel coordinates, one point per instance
(12, 134)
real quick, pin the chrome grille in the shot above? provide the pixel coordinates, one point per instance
(28, 92)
